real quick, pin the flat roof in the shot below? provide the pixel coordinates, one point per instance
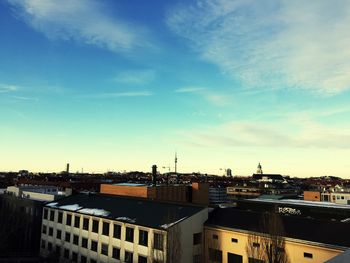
(301, 202)
(137, 211)
(130, 184)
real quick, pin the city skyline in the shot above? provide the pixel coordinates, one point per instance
(108, 85)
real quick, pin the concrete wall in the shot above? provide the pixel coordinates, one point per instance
(294, 248)
(312, 196)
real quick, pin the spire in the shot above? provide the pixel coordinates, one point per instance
(175, 162)
(259, 170)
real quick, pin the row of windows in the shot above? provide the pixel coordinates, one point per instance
(129, 236)
(73, 256)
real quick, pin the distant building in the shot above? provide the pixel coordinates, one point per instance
(104, 228)
(217, 195)
(40, 193)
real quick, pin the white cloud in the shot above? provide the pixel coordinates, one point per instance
(84, 21)
(279, 44)
(5, 88)
(190, 90)
(137, 77)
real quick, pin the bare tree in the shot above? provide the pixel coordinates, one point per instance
(269, 245)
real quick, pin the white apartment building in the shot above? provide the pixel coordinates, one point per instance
(103, 228)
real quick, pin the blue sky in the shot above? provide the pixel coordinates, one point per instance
(121, 85)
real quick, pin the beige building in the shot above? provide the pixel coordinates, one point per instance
(232, 234)
(104, 228)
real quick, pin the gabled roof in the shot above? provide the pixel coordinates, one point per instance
(137, 211)
(321, 231)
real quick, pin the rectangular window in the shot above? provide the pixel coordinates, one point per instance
(74, 257)
(93, 261)
(67, 238)
(75, 240)
(60, 217)
(52, 215)
(93, 245)
(216, 237)
(197, 238)
(45, 213)
(307, 255)
(58, 251)
(116, 253)
(50, 231)
(69, 220)
(86, 223)
(104, 249)
(256, 244)
(43, 244)
(77, 221)
(158, 241)
(83, 259)
(116, 231)
(143, 238)
(215, 255)
(235, 258)
(255, 260)
(95, 225)
(142, 259)
(84, 242)
(44, 229)
(129, 234)
(128, 257)
(58, 234)
(234, 240)
(105, 228)
(66, 253)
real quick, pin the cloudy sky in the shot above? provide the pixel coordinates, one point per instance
(121, 85)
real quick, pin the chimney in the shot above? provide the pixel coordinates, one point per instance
(154, 175)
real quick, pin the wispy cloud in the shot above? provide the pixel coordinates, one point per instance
(5, 88)
(190, 90)
(84, 21)
(118, 95)
(278, 44)
(135, 77)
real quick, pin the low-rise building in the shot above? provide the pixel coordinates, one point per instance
(105, 228)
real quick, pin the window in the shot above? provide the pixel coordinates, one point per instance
(116, 231)
(234, 240)
(215, 255)
(52, 215)
(158, 241)
(58, 251)
(45, 213)
(234, 258)
(44, 229)
(116, 253)
(197, 238)
(256, 244)
(75, 240)
(128, 257)
(50, 231)
(93, 245)
(43, 244)
(58, 234)
(105, 228)
(215, 237)
(307, 255)
(129, 234)
(74, 257)
(93, 261)
(66, 253)
(104, 249)
(86, 223)
(84, 242)
(67, 238)
(95, 225)
(77, 221)
(60, 216)
(197, 259)
(83, 259)
(142, 259)
(143, 238)
(69, 220)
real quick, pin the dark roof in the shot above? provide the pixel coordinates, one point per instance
(315, 230)
(137, 211)
(271, 176)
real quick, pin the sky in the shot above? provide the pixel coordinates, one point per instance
(122, 85)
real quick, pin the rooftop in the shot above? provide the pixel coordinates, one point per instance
(143, 212)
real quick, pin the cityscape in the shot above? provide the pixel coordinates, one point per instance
(182, 131)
